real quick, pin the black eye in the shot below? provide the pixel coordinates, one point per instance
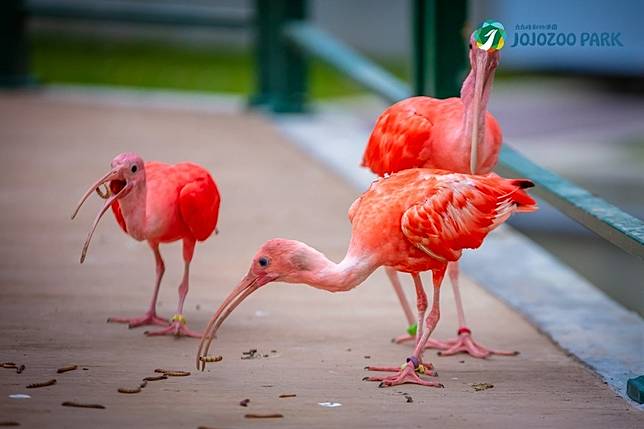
(470, 46)
(263, 262)
(134, 168)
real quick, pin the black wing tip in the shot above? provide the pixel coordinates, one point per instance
(523, 183)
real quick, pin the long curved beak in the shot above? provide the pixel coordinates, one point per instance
(249, 284)
(112, 175)
(486, 63)
(105, 179)
(479, 78)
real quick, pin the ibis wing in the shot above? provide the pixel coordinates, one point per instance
(199, 206)
(400, 136)
(459, 215)
(116, 209)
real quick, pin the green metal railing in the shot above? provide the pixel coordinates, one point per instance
(606, 220)
(285, 40)
(599, 216)
(439, 68)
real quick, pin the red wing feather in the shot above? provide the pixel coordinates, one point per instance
(398, 140)
(116, 209)
(462, 211)
(199, 205)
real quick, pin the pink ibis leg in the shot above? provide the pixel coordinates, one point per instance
(178, 321)
(410, 371)
(150, 317)
(413, 326)
(395, 283)
(464, 343)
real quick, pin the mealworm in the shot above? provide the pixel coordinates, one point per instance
(177, 373)
(66, 368)
(126, 390)
(288, 395)
(43, 384)
(156, 378)
(210, 358)
(263, 416)
(79, 405)
(9, 424)
(172, 373)
(9, 365)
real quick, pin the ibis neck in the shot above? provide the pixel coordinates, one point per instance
(322, 273)
(133, 209)
(475, 95)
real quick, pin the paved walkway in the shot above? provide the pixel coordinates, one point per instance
(53, 310)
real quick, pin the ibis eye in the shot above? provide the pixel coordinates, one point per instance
(470, 46)
(263, 261)
(134, 168)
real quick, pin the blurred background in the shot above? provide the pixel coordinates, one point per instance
(577, 110)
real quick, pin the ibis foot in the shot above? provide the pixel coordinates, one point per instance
(150, 318)
(464, 343)
(177, 328)
(405, 374)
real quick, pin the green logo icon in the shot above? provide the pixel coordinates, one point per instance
(491, 35)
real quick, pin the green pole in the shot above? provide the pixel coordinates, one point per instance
(281, 70)
(14, 58)
(439, 51)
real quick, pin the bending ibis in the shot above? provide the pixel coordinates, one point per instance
(413, 221)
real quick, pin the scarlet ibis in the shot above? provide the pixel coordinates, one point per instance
(412, 221)
(455, 134)
(159, 203)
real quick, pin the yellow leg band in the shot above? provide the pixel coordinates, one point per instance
(178, 318)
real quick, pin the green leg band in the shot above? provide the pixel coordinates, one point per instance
(412, 329)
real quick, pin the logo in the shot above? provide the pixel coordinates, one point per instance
(491, 35)
(541, 35)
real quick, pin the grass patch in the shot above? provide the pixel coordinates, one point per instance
(153, 64)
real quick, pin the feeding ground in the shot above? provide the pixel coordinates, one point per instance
(53, 310)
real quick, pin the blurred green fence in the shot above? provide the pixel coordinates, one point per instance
(285, 40)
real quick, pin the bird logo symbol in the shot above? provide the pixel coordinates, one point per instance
(490, 35)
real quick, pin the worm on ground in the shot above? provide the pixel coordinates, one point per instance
(80, 405)
(172, 373)
(66, 368)
(210, 358)
(43, 384)
(127, 390)
(156, 378)
(263, 416)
